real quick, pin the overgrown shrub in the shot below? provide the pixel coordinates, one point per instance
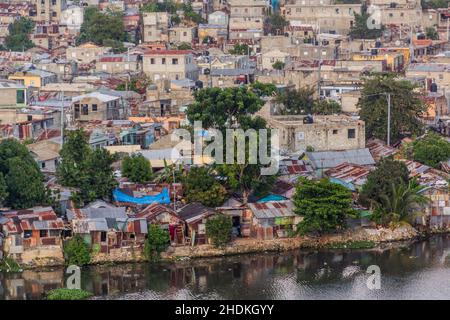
(9, 265)
(76, 251)
(68, 294)
(218, 229)
(157, 241)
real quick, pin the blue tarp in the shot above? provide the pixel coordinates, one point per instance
(162, 197)
(272, 197)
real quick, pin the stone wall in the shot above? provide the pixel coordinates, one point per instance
(124, 254)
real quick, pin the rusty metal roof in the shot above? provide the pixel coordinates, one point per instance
(349, 173)
(272, 209)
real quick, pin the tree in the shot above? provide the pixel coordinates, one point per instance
(240, 49)
(326, 107)
(276, 24)
(101, 27)
(401, 204)
(157, 241)
(263, 89)
(323, 205)
(360, 30)
(296, 102)
(25, 184)
(406, 107)
(431, 150)
(201, 186)
(434, 4)
(18, 35)
(379, 182)
(3, 190)
(218, 229)
(77, 252)
(431, 33)
(10, 148)
(190, 14)
(279, 65)
(184, 46)
(137, 168)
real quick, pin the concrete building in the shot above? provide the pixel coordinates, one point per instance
(86, 52)
(50, 10)
(34, 77)
(118, 63)
(270, 58)
(437, 72)
(170, 64)
(218, 18)
(324, 133)
(180, 34)
(248, 14)
(155, 26)
(72, 17)
(96, 106)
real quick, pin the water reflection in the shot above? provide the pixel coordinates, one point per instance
(419, 270)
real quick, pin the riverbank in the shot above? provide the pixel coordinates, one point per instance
(361, 238)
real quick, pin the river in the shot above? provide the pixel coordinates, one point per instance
(419, 270)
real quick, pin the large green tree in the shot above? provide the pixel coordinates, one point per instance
(3, 190)
(296, 102)
(201, 186)
(326, 107)
(323, 205)
(137, 168)
(218, 229)
(360, 30)
(18, 35)
(276, 23)
(431, 150)
(406, 107)
(379, 182)
(102, 28)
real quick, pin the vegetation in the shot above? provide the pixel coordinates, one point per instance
(406, 107)
(360, 30)
(76, 251)
(90, 171)
(296, 102)
(379, 182)
(276, 24)
(431, 150)
(9, 265)
(184, 46)
(323, 205)
(21, 181)
(279, 65)
(201, 186)
(434, 4)
(136, 84)
(218, 229)
(68, 294)
(18, 35)
(137, 168)
(157, 241)
(431, 33)
(240, 49)
(172, 7)
(102, 28)
(402, 204)
(326, 107)
(263, 89)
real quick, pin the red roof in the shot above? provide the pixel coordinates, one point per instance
(111, 59)
(168, 52)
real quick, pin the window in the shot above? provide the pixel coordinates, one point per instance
(152, 61)
(85, 110)
(53, 14)
(20, 96)
(53, 2)
(43, 165)
(43, 233)
(103, 236)
(185, 34)
(27, 234)
(163, 60)
(94, 107)
(335, 131)
(174, 61)
(351, 133)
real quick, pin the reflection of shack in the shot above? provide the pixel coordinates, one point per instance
(107, 228)
(274, 219)
(32, 236)
(195, 216)
(167, 219)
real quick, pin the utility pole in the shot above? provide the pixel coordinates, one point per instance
(389, 119)
(62, 118)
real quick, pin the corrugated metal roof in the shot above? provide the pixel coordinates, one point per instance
(349, 173)
(273, 209)
(331, 159)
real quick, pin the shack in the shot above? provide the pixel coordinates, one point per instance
(195, 215)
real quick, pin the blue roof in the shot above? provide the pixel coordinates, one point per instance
(272, 197)
(160, 198)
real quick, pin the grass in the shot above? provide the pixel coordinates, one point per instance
(351, 245)
(68, 294)
(9, 265)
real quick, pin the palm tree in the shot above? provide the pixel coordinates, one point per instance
(402, 204)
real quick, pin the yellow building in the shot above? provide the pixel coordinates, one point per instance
(393, 61)
(34, 78)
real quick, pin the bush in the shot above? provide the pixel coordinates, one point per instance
(68, 294)
(9, 265)
(157, 241)
(218, 229)
(76, 251)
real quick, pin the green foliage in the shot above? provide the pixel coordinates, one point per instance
(191, 15)
(326, 107)
(207, 39)
(8, 264)
(359, 30)
(279, 65)
(406, 107)
(137, 168)
(379, 182)
(201, 186)
(3, 190)
(18, 37)
(88, 170)
(296, 102)
(218, 229)
(184, 46)
(102, 27)
(161, 6)
(324, 206)
(76, 251)
(116, 45)
(402, 204)
(431, 33)
(137, 84)
(157, 241)
(263, 89)
(175, 19)
(276, 24)
(431, 150)
(240, 49)
(68, 294)
(434, 4)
